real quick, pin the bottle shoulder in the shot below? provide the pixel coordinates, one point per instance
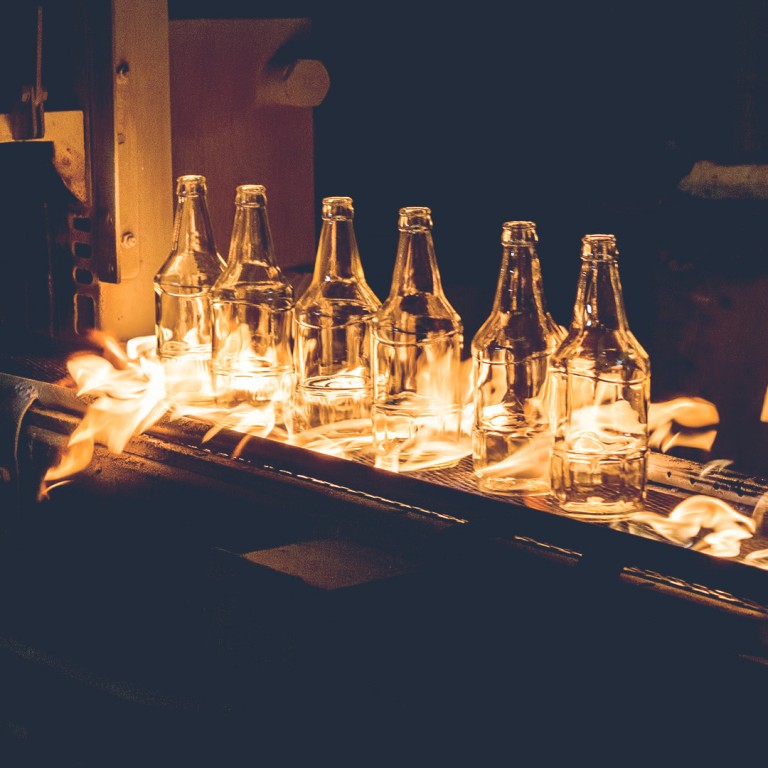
(601, 350)
(276, 294)
(419, 317)
(190, 269)
(337, 293)
(418, 305)
(249, 282)
(514, 330)
(251, 272)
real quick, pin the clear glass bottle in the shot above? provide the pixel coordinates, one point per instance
(252, 305)
(182, 294)
(417, 343)
(602, 378)
(332, 334)
(511, 438)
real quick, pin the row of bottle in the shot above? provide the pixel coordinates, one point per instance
(566, 412)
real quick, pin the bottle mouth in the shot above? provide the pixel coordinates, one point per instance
(518, 232)
(191, 184)
(338, 208)
(599, 247)
(414, 217)
(251, 194)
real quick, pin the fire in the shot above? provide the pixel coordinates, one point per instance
(684, 421)
(596, 427)
(524, 463)
(345, 439)
(130, 390)
(758, 558)
(130, 398)
(727, 527)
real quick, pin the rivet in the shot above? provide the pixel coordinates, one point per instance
(128, 240)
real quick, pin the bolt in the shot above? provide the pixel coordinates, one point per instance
(128, 240)
(121, 70)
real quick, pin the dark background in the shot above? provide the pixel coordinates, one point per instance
(582, 117)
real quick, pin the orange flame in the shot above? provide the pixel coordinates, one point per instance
(129, 386)
(758, 558)
(684, 421)
(727, 526)
(131, 397)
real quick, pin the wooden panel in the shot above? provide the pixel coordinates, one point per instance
(142, 200)
(230, 123)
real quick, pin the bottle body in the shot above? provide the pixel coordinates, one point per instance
(252, 315)
(417, 344)
(332, 336)
(511, 436)
(183, 295)
(601, 394)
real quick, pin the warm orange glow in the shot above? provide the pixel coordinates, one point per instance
(530, 461)
(129, 387)
(727, 527)
(130, 397)
(758, 558)
(684, 421)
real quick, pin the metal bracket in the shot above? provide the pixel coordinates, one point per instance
(66, 131)
(28, 116)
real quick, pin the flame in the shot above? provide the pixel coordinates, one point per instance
(427, 452)
(129, 386)
(241, 360)
(345, 439)
(728, 528)
(130, 398)
(530, 461)
(599, 427)
(418, 415)
(683, 421)
(758, 558)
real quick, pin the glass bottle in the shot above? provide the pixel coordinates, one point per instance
(182, 295)
(417, 344)
(601, 379)
(332, 346)
(252, 305)
(511, 438)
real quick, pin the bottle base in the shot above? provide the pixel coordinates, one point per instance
(415, 437)
(514, 485)
(597, 511)
(605, 486)
(331, 401)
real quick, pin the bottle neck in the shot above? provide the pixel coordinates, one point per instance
(599, 298)
(192, 230)
(519, 285)
(251, 237)
(416, 265)
(337, 254)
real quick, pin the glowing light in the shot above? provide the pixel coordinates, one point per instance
(130, 398)
(129, 390)
(685, 422)
(727, 527)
